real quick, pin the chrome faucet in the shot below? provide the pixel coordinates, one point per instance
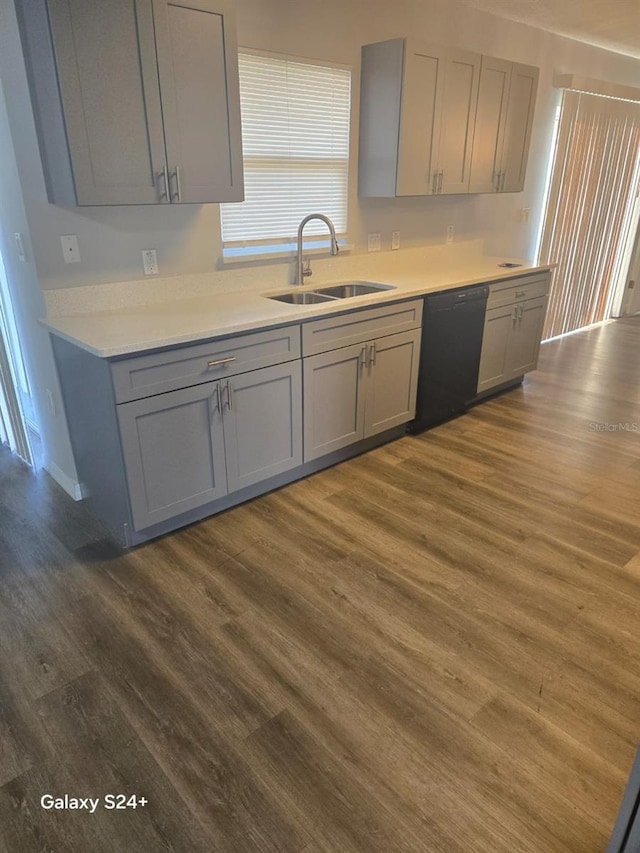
(301, 271)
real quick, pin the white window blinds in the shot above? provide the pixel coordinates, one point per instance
(295, 136)
(590, 207)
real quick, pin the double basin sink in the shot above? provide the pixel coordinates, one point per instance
(343, 290)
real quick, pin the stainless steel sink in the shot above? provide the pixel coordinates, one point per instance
(346, 289)
(308, 297)
(341, 290)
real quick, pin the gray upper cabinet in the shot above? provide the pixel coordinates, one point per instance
(504, 118)
(462, 74)
(522, 102)
(198, 70)
(135, 101)
(417, 117)
(437, 120)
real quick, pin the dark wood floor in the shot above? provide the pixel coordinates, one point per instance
(433, 647)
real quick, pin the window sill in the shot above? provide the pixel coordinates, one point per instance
(278, 252)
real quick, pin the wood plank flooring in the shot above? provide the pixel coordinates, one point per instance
(434, 647)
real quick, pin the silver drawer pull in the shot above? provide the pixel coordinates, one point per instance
(520, 293)
(220, 361)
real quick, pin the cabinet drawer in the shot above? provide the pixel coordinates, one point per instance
(145, 375)
(358, 326)
(508, 292)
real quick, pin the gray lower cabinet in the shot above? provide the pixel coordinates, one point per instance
(392, 381)
(358, 391)
(512, 330)
(189, 447)
(334, 395)
(495, 346)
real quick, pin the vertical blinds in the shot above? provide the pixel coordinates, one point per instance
(295, 136)
(593, 188)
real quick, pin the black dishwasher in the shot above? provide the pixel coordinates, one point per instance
(452, 327)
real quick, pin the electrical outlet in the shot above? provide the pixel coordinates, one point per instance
(70, 250)
(150, 261)
(524, 215)
(450, 230)
(395, 239)
(373, 242)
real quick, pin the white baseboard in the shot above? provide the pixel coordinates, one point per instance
(71, 487)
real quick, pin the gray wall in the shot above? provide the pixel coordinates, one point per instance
(28, 303)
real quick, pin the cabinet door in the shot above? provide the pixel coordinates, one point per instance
(495, 347)
(262, 423)
(197, 64)
(423, 79)
(392, 381)
(173, 449)
(105, 56)
(524, 344)
(491, 115)
(458, 121)
(522, 101)
(334, 393)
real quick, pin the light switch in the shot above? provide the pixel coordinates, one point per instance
(70, 250)
(20, 247)
(373, 242)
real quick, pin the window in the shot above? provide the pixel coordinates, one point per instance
(295, 136)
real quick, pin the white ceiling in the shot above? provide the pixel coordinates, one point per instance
(612, 24)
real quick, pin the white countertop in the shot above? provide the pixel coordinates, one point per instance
(184, 320)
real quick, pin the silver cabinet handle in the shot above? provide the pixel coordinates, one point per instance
(520, 293)
(216, 393)
(176, 174)
(363, 356)
(372, 353)
(521, 312)
(434, 185)
(220, 361)
(502, 183)
(162, 176)
(515, 313)
(496, 181)
(228, 402)
(440, 181)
